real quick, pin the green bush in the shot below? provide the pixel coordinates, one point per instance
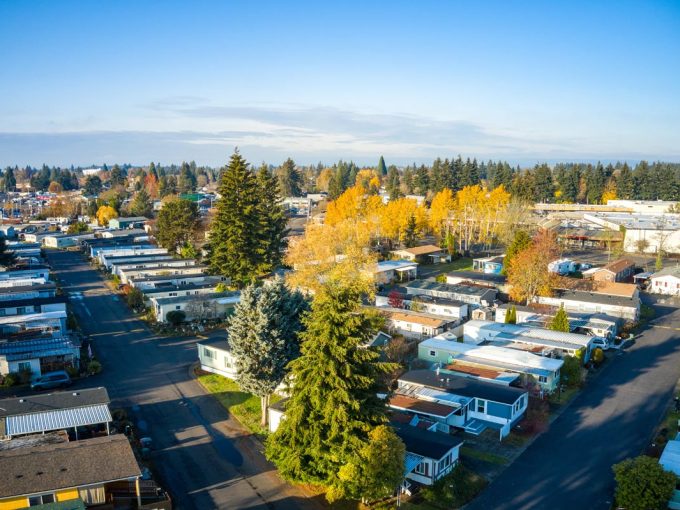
(11, 379)
(176, 317)
(135, 299)
(455, 489)
(72, 372)
(71, 321)
(94, 367)
(598, 356)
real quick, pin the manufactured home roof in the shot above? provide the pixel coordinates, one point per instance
(26, 349)
(178, 288)
(216, 296)
(53, 401)
(617, 266)
(589, 297)
(417, 405)
(52, 467)
(426, 443)
(14, 303)
(598, 287)
(492, 353)
(523, 332)
(667, 271)
(426, 319)
(468, 290)
(463, 386)
(493, 278)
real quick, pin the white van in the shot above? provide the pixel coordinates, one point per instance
(601, 342)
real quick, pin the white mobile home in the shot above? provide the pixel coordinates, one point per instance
(197, 307)
(491, 361)
(215, 357)
(538, 340)
(429, 304)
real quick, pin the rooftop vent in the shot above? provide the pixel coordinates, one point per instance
(22, 400)
(75, 393)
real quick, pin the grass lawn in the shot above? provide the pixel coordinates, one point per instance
(243, 406)
(485, 456)
(565, 397)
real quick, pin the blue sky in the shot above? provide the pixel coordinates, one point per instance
(128, 81)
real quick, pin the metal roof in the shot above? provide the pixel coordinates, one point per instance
(25, 349)
(411, 461)
(56, 420)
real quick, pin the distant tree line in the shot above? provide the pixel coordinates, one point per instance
(562, 182)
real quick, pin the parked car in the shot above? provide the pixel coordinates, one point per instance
(50, 380)
(601, 342)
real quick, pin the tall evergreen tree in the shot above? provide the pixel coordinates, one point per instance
(410, 236)
(334, 403)
(421, 180)
(561, 321)
(141, 205)
(272, 220)
(9, 181)
(186, 182)
(544, 189)
(290, 179)
(176, 224)
(235, 237)
(263, 337)
(393, 184)
(382, 168)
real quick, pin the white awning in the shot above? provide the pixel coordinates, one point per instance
(57, 420)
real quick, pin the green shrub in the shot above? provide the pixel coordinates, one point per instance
(176, 317)
(72, 372)
(135, 299)
(455, 489)
(11, 379)
(598, 356)
(94, 367)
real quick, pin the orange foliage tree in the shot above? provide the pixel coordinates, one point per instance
(528, 273)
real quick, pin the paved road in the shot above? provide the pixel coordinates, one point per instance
(569, 466)
(204, 457)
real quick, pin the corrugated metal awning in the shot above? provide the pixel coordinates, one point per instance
(57, 420)
(411, 461)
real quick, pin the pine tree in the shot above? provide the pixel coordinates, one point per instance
(290, 179)
(235, 236)
(410, 235)
(561, 321)
(521, 241)
(382, 168)
(186, 182)
(176, 224)
(625, 184)
(263, 337)
(272, 220)
(393, 185)
(334, 401)
(9, 181)
(141, 205)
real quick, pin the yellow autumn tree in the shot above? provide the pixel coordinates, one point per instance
(395, 216)
(441, 209)
(609, 191)
(106, 213)
(331, 251)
